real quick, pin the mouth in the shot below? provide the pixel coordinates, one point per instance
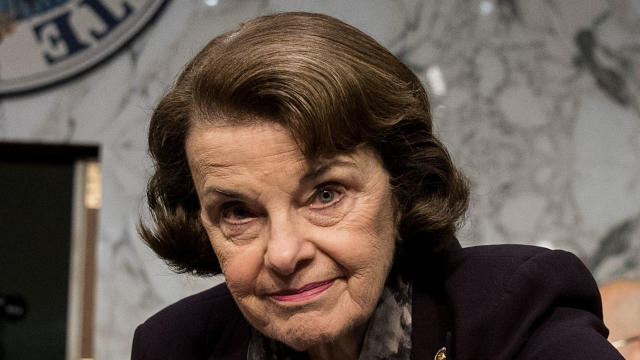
(306, 292)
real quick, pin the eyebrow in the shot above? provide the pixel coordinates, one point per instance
(312, 173)
(226, 192)
(324, 167)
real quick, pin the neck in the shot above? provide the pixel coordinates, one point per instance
(346, 347)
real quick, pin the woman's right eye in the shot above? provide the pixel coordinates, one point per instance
(236, 214)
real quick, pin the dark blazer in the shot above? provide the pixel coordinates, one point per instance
(495, 302)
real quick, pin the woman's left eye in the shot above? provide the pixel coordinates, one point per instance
(326, 196)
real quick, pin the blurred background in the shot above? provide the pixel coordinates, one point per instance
(537, 100)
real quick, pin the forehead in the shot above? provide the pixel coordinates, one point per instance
(265, 147)
(255, 144)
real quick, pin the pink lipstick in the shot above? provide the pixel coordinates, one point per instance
(304, 293)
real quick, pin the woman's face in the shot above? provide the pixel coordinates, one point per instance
(305, 246)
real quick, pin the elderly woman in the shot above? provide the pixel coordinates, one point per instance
(296, 156)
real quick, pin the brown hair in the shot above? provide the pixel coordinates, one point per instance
(334, 88)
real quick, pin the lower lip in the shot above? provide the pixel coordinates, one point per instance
(306, 294)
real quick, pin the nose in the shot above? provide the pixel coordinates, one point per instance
(288, 246)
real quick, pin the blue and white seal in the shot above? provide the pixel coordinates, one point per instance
(46, 41)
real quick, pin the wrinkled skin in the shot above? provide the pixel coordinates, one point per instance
(305, 246)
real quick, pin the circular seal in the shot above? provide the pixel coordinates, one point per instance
(43, 42)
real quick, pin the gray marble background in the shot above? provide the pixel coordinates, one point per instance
(538, 101)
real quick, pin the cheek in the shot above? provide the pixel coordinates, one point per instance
(240, 265)
(363, 244)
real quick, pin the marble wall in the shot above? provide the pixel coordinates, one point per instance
(538, 100)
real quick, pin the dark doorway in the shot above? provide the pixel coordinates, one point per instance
(36, 211)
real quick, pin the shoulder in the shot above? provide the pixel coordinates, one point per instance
(486, 274)
(501, 267)
(500, 255)
(525, 302)
(194, 328)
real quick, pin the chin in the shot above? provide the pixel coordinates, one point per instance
(301, 333)
(301, 340)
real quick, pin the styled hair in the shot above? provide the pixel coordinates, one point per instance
(334, 88)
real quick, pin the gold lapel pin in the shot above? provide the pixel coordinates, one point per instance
(441, 354)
